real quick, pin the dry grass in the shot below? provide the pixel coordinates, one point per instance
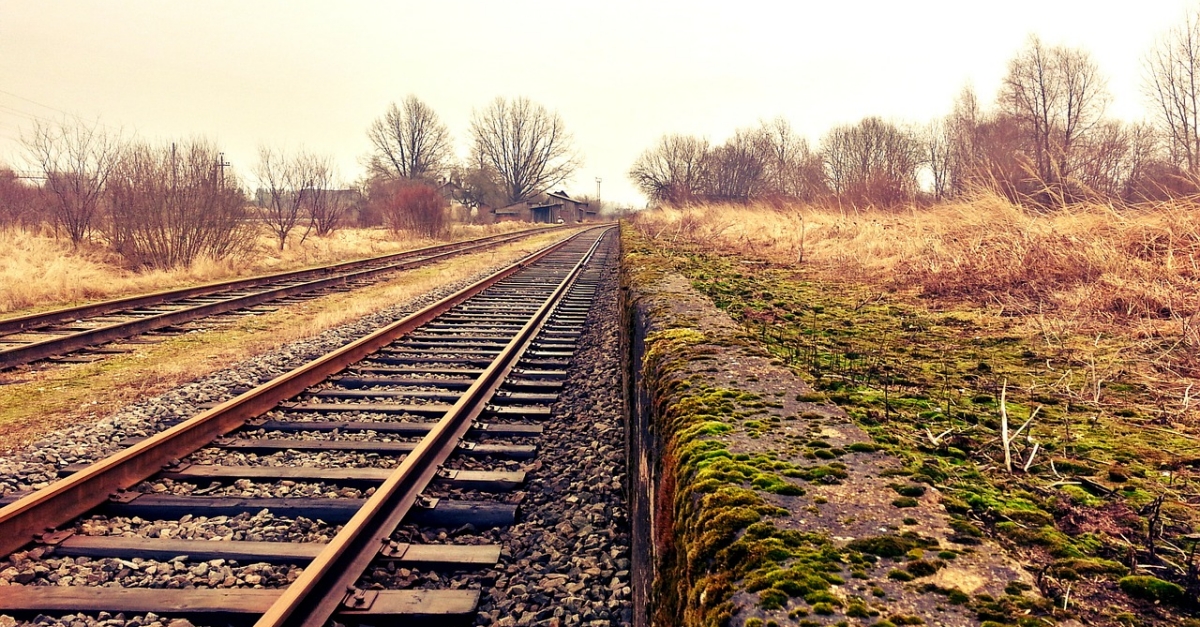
(1090, 260)
(33, 403)
(38, 271)
(1067, 277)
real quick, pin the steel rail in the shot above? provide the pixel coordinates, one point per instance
(327, 582)
(70, 314)
(19, 355)
(23, 521)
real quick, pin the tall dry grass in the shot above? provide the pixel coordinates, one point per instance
(38, 271)
(1087, 266)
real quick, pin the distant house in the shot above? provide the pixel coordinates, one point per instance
(571, 211)
(556, 208)
(450, 190)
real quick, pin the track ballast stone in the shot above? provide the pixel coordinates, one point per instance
(36, 466)
(566, 562)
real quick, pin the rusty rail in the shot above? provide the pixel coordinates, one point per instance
(21, 522)
(327, 582)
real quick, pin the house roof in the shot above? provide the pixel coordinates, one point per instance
(564, 196)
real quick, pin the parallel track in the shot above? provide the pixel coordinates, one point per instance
(56, 333)
(486, 362)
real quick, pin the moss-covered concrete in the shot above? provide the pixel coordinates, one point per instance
(768, 504)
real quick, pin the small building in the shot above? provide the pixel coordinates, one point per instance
(557, 208)
(570, 210)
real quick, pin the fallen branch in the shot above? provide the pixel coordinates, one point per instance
(937, 440)
(1029, 462)
(1004, 426)
(1007, 439)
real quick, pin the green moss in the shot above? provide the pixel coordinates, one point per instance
(913, 490)
(888, 546)
(823, 609)
(905, 501)
(1016, 588)
(1152, 589)
(857, 610)
(923, 568)
(772, 599)
(966, 527)
(822, 596)
(900, 575)
(1090, 566)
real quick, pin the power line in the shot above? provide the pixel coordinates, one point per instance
(9, 93)
(38, 118)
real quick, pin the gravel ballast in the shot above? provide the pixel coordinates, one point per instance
(564, 563)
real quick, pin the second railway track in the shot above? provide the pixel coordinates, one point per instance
(54, 334)
(422, 423)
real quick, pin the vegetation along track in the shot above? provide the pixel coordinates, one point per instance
(385, 431)
(59, 332)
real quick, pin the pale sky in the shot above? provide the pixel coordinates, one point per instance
(297, 74)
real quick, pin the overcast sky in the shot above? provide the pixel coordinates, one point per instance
(315, 74)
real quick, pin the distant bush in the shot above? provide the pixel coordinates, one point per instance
(413, 207)
(169, 206)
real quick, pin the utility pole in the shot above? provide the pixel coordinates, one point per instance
(598, 203)
(222, 164)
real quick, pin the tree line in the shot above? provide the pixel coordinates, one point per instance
(169, 204)
(1045, 141)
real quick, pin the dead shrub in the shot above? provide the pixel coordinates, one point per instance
(21, 203)
(412, 207)
(171, 205)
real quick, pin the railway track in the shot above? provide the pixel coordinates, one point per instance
(421, 424)
(63, 333)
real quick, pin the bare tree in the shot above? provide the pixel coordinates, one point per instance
(325, 205)
(1173, 84)
(939, 157)
(410, 142)
(527, 146)
(791, 170)
(1059, 96)
(673, 170)
(964, 131)
(281, 181)
(872, 163)
(76, 158)
(172, 205)
(477, 187)
(736, 169)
